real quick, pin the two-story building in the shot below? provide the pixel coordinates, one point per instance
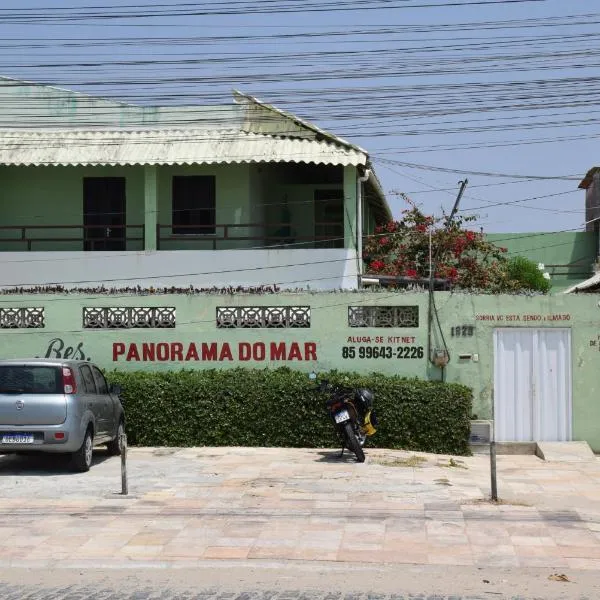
(98, 192)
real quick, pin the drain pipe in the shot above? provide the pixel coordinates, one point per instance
(359, 225)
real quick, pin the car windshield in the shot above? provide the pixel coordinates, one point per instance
(30, 379)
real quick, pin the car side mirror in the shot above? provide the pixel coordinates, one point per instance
(115, 389)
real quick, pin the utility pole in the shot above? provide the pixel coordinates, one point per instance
(493, 477)
(431, 307)
(463, 185)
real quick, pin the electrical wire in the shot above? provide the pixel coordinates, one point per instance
(400, 81)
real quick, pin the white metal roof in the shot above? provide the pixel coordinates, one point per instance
(266, 118)
(166, 147)
(592, 282)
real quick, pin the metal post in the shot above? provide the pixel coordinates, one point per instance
(494, 482)
(493, 470)
(124, 487)
(359, 222)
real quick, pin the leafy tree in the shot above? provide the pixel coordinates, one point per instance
(462, 256)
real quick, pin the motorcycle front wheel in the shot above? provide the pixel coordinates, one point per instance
(353, 444)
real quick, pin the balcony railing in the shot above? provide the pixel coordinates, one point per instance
(264, 234)
(90, 237)
(131, 237)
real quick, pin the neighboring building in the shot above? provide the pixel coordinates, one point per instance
(591, 184)
(568, 256)
(245, 194)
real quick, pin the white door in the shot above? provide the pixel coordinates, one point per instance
(532, 384)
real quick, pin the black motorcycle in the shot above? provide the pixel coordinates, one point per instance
(352, 414)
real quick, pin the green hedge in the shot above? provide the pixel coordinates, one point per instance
(248, 407)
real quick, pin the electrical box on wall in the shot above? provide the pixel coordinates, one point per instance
(481, 432)
(440, 357)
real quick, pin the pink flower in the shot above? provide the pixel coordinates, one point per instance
(377, 265)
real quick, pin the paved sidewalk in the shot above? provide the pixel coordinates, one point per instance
(189, 506)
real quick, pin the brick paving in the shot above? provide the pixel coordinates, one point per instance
(250, 504)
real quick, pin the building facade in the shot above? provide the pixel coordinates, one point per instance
(118, 220)
(532, 361)
(244, 194)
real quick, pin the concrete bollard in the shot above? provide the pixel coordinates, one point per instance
(124, 488)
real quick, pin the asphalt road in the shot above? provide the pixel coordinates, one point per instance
(295, 581)
(144, 593)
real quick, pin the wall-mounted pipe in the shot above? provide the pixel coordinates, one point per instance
(359, 221)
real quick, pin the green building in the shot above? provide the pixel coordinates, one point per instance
(214, 237)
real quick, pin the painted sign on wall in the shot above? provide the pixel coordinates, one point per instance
(213, 351)
(523, 318)
(58, 348)
(381, 346)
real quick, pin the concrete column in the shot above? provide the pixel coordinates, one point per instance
(350, 223)
(150, 206)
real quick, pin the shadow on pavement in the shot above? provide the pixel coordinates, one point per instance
(333, 456)
(39, 464)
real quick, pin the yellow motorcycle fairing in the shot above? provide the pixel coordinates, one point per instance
(367, 427)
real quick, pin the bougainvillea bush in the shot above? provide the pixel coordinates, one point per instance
(462, 256)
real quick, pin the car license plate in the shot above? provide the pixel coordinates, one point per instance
(342, 416)
(18, 438)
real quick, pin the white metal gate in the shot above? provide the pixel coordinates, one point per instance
(532, 384)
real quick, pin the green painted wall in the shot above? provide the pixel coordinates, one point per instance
(232, 188)
(24, 104)
(330, 337)
(285, 201)
(568, 256)
(258, 211)
(54, 196)
(246, 193)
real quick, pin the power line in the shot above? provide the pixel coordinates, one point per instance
(75, 14)
(254, 269)
(483, 173)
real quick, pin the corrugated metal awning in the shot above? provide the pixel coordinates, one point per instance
(589, 285)
(166, 147)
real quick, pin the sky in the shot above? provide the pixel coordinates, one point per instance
(504, 93)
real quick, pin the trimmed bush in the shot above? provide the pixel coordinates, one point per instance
(251, 407)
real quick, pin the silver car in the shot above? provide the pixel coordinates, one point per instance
(61, 406)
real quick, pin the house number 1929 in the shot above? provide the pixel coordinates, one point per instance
(462, 331)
